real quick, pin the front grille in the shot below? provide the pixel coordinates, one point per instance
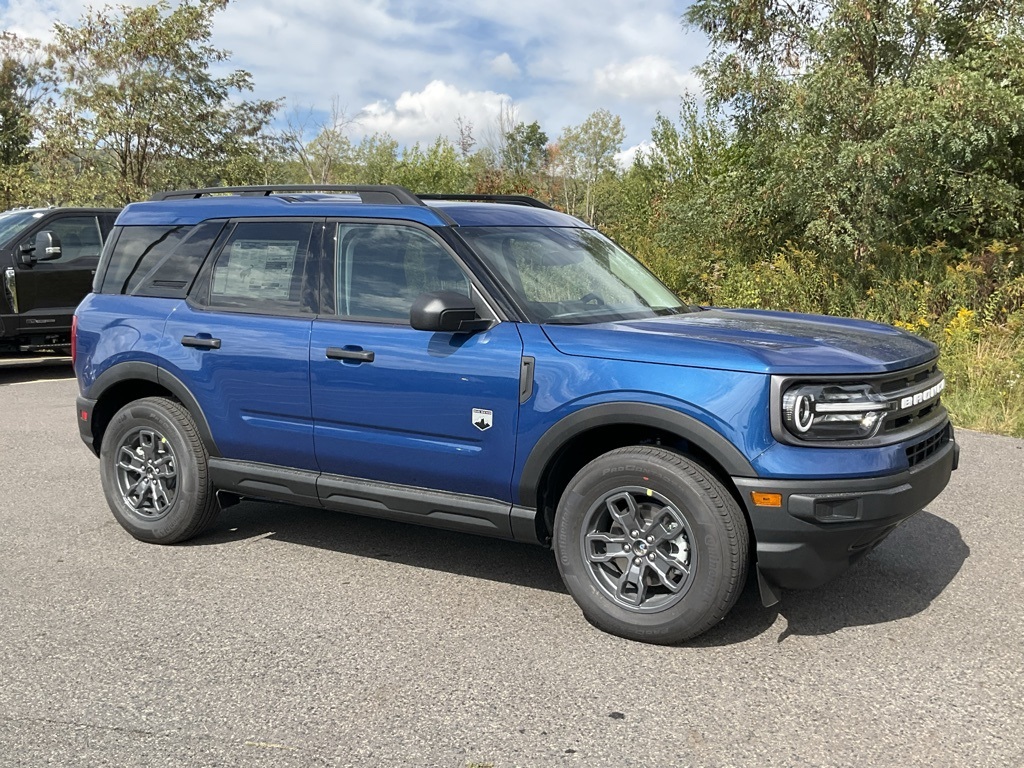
(904, 380)
(928, 447)
(907, 419)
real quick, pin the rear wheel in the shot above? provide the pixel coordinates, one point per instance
(153, 467)
(650, 545)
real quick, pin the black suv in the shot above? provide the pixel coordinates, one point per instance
(501, 368)
(48, 257)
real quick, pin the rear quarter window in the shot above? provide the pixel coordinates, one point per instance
(158, 261)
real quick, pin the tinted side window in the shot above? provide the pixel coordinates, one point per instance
(80, 240)
(381, 268)
(133, 246)
(168, 271)
(262, 268)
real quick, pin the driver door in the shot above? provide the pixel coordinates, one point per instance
(435, 411)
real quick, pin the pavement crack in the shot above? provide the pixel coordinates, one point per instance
(72, 723)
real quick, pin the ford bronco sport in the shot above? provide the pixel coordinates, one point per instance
(491, 365)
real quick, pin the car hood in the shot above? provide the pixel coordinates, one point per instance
(750, 340)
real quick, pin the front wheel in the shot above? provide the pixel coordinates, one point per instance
(153, 466)
(650, 545)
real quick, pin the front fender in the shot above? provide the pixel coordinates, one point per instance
(627, 413)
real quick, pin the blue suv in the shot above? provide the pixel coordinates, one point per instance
(490, 365)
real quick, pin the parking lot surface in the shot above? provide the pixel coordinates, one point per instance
(294, 637)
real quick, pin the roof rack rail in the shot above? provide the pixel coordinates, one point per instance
(532, 202)
(373, 194)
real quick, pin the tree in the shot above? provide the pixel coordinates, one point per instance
(323, 156)
(497, 132)
(862, 124)
(138, 104)
(20, 91)
(376, 160)
(586, 153)
(439, 169)
(524, 151)
(466, 140)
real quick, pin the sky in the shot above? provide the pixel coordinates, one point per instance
(411, 68)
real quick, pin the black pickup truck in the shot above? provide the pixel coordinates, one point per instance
(48, 257)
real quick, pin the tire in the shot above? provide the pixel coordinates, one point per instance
(153, 467)
(650, 545)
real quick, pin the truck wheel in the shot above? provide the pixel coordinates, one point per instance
(153, 467)
(650, 545)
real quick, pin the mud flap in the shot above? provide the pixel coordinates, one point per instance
(769, 593)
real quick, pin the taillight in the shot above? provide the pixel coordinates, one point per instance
(74, 338)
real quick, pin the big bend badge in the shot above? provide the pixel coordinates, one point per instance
(482, 419)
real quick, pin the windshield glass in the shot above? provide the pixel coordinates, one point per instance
(12, 223)
(565, 275)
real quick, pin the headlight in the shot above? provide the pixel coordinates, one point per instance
(833, 411)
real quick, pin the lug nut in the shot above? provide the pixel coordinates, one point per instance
(651, 557)
(637, 560)
(635, 534)
(625, 548)
(650, 539)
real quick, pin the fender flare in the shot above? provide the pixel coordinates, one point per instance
(643, 414)
(141, 371)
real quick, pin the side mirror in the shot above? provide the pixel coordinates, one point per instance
(45, 248)
(446, 312)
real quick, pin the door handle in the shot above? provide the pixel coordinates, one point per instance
(200, 342)
(350, 353)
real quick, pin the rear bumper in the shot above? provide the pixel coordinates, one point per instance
(83, 415)
(823, 527)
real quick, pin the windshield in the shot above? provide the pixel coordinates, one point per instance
(12, 223)
(565, 275)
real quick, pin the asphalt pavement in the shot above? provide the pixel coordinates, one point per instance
(298, 637)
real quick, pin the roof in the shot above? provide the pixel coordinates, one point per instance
(186, 207)
(472, 214)
(169, 212)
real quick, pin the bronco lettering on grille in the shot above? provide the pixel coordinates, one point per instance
(923, 396)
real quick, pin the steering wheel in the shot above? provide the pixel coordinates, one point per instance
(592, 297)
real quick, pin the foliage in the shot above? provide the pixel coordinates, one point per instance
(525, 155)
(860, 123)
(585, 156)
(323, 156)
(20, 91)
(984, 366)
(438, 169)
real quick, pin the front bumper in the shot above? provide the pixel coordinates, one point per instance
(823, 527)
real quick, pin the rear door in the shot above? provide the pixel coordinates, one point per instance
(241, 341)
(392, 404)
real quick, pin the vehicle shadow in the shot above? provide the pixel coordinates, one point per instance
(899, 579)
(23, 374)
(417, 546)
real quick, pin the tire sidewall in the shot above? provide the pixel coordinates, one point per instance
(706, 591)
(181, 513)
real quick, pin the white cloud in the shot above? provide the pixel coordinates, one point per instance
(424, 115)
(625, 158)
(35, 18)
(646, 78)
(557, 62)
(503, 66)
